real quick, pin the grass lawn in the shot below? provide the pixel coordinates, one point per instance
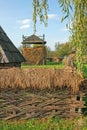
(46, 124)
(48, 65)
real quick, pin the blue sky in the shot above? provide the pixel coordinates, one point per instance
(16, 20)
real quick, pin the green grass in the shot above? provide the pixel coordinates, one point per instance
(48, 65)
(46, 124)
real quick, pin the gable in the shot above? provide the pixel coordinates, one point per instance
(3, 58)
(10, 52)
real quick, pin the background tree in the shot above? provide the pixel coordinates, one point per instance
(50, 53)
(79, 18)
(63, 49)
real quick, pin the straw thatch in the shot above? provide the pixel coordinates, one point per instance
(9, 54)
(39, 78)
(36, 55)
(33, 39)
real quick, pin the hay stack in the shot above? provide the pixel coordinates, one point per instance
(35, 55)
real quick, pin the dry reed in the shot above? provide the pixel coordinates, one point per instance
(38, 78)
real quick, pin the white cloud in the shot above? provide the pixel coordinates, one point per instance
(24, 26)
(25, 23)
(53, 16)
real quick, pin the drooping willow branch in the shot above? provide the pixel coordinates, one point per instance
(40, 9)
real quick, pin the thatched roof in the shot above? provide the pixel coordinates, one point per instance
(8, 51)
(33, 39)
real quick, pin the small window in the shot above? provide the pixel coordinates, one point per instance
(78, 98)
(76, 109)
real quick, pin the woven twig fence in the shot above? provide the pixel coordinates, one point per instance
(23, 104)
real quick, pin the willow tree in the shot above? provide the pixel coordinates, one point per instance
(79, 18)
(79, 31)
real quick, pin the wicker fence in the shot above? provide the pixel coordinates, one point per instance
(23, 104)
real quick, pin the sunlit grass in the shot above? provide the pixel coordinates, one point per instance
(49, 65)
(46, 124)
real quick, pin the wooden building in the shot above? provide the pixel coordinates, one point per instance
(34, 49)
(9, 54)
